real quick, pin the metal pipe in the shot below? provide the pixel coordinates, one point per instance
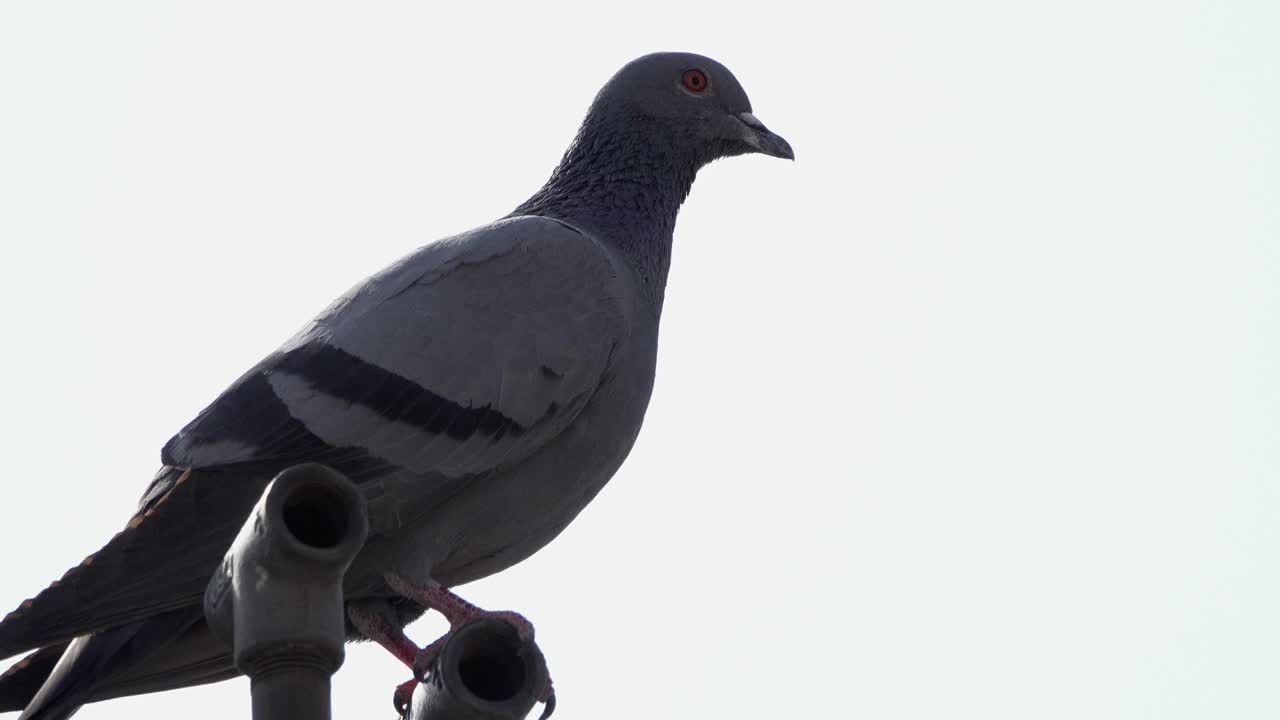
(483, 672)
(277, 596)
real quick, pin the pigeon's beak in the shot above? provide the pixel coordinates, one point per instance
(759, 137)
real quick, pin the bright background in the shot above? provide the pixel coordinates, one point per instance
(971, 412)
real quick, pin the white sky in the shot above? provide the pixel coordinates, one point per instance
(972, 412)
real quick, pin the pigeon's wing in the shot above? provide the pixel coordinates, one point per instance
(465, 357)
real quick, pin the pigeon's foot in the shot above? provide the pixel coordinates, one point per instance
(375, 626)
(458, 612)
(403, 697)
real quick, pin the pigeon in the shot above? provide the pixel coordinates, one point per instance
(480, 392)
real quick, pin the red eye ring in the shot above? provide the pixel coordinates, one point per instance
(694, 80)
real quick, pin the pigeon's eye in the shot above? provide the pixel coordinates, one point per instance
(695, 80)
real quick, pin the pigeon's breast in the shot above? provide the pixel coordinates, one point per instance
(497, 520)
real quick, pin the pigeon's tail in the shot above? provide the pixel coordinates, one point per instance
(168, 651)
(20, 683)
(71, 680)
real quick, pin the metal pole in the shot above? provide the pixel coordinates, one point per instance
(483, 672)
(277, 596)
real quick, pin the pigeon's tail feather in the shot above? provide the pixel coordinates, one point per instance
(159, 563)
(195, 657)
(20, 682)
(169, 651)
(70, 682)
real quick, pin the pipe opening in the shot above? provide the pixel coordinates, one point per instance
(497, 675)
(316, 515)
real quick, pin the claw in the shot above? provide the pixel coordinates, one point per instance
(403, 697)
(425, 658)
(549, 705)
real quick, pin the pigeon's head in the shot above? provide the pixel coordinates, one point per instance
(696, 102)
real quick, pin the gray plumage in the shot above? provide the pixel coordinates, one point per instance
(480, 391)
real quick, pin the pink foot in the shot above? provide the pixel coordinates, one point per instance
(456, 610)
(403, 697)
(459, 612)
(374, 626)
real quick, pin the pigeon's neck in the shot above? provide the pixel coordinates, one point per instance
(622, 181)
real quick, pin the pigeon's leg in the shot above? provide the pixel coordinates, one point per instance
(458, 612)
(374, 625)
